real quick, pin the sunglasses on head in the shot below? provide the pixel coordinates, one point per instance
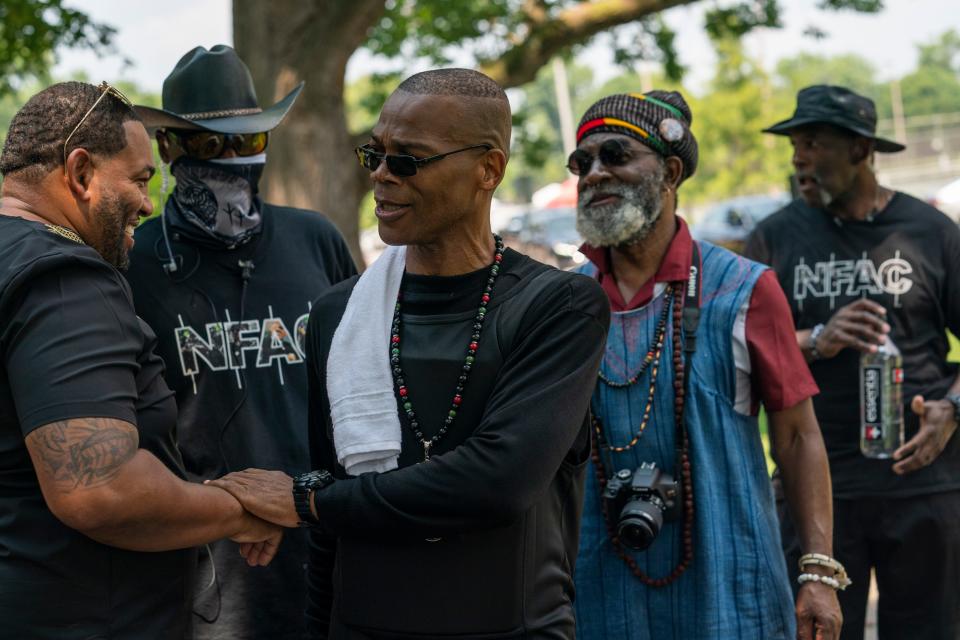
(207, 145)
(404, 166)
(105, 89)
(612, 153)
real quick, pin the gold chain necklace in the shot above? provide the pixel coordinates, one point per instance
(64, 232)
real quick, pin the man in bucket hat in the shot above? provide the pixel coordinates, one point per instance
(227, 280)
(862, 265)
(699, 338)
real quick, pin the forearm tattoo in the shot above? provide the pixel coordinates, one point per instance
(83, 451)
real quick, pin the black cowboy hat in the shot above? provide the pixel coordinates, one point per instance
(213, 91)
(840, 107)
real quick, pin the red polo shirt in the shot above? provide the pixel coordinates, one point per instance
(779, 376)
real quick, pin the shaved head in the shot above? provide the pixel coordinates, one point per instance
(484, 109)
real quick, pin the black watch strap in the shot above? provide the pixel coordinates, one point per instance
(303, 484)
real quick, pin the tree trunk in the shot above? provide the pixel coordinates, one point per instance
(311, 163)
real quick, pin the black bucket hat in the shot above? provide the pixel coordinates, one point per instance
(213, 91)
(840, 107)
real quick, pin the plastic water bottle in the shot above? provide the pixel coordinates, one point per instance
(881, 401)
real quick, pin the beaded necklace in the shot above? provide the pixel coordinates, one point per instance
(653, 354)
(652, 357)
(683, 462)
(398, 378)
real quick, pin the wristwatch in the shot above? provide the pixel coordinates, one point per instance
(303, 484)
(954, 399)
(814, 336)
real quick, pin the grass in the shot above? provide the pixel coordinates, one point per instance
(953, 356)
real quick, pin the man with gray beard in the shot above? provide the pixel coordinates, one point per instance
(679, 519)
(863, 265)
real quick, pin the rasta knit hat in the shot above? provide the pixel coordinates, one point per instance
(659, 119)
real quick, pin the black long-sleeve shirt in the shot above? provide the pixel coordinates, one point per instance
(503, 488)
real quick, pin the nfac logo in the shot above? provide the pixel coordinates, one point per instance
(852, 278)
(236, 345)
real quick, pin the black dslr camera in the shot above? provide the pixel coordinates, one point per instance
(642, 500)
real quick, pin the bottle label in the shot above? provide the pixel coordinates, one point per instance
(872, 394)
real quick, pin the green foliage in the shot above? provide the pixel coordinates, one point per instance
(735, 159)
(943, 53)
(848, 70)
(740, 100)
(648, 40)
(364, 98)
(537, 148)
(428, 28)
(863, 6)
(31, 31)
(931, 90)
(935, 85)
(734, 21)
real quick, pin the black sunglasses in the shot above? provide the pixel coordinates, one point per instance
(612, 153)
(206, 145)
(404, 166)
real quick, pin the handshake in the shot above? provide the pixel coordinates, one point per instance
(267, 497)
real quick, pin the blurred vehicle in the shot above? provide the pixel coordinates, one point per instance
(947, 199)
(547, 235)
(728, 223)
(514, 227)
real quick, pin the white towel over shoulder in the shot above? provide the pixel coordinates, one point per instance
(363, 408)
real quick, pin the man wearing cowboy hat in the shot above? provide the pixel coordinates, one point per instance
(862, 264)
(226, 280)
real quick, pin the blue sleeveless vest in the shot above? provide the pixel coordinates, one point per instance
(737, 585)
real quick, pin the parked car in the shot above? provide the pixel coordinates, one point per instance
(947, 199)
(547, 235)
(728, 223)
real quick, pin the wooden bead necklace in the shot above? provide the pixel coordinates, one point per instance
(686, 472)
(404, 392)
(653, 356)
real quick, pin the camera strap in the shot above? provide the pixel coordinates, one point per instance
(691, 320)
(691, 302)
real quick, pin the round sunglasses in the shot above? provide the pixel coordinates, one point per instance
(404, 166)
(612, 153)
(207, 145)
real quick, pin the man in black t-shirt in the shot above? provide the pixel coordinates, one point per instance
(862, 264)
(449, 391)
(90, 476)
(226, 281)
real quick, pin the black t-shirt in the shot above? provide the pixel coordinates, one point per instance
(73, 347)
(241, 385)
(908, 260)
(503, 488)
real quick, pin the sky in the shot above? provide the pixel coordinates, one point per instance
(154, 35)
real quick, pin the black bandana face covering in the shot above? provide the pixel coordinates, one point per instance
(219, 196)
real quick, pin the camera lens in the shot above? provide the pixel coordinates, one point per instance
(639, 524)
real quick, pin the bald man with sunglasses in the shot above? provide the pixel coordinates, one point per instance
(449, 388)
(227, 280)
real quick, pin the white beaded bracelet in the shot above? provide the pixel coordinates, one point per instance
(813, 577)
(821, 560)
